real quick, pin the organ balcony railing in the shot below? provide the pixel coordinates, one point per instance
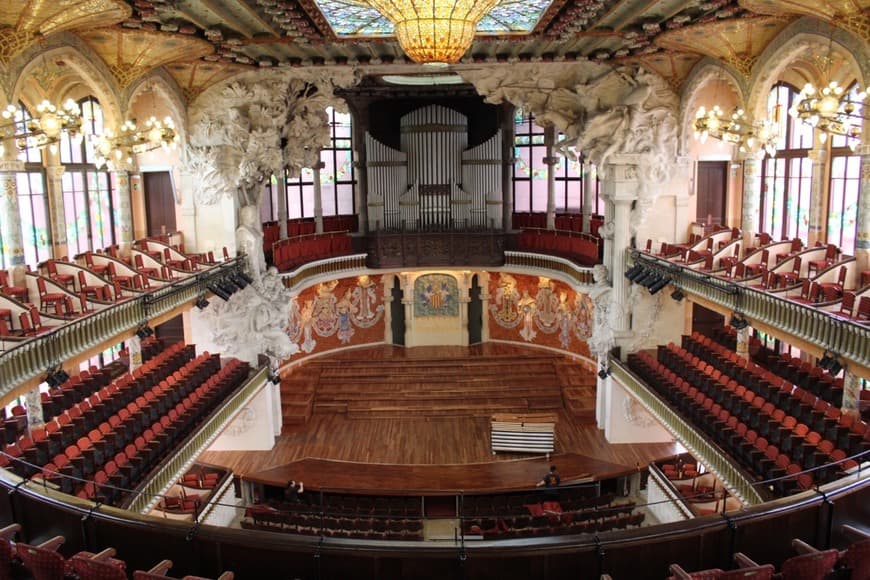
(733, 478)
(781, 317)
(32, 358)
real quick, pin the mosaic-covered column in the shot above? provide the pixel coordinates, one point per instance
(318, 201)
(54, 171)
(743, 335)
(851, 393)
(10, 220)
(818, 201)
(751, 199)
(123, 212)
(862, 242)
(282, 207)
(33, 404)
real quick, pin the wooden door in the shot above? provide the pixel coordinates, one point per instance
(159, 202)
(475, 313)
(711, 192)
(397, 314)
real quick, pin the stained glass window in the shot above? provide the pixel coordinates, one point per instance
(87, 193)
(349, 18)
(337, 178)
(530, 172)
(845, 190)
(786, 180)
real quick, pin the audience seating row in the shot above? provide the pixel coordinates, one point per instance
(307, 226)
(44, 561)
(565, 222)
(288, 519)
(581, 248)
(292, 252)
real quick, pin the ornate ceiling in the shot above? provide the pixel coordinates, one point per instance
(201, 42)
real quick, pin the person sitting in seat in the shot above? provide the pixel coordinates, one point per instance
(293, 491)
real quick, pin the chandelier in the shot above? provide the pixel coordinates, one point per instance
(434, 31)
(832, 110)
(44, 128)
(116, 151)
(759, 137)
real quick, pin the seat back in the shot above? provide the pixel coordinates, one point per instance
(43, 564)
(812, 566)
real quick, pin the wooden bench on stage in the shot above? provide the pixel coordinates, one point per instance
(526, 433)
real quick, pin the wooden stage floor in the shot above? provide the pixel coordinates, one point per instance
(440, 455)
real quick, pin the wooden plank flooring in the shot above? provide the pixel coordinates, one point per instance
(338, 450)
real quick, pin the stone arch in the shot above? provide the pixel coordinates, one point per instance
(167, 91)
(705, 72)
(789, 49)
(82, 61)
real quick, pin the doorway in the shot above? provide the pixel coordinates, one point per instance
(397, 313)
(475, 313)
(712, 189)
(159, 202)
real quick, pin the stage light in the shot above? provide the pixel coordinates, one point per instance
(659, 285)
(276, 379)
(653, 281)
(647, 278)
(738, 322)
(604, 373)
(201, 303)
(218, 291)
(677, 295)
(144, 331)
(239, 280)
(244, 277)
(634, 270)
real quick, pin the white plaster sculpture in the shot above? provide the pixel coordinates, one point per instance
(249, 240)
(601, 294)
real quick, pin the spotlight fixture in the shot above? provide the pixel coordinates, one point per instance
(637, 274)
(218, 291)
(240, 281)
(664, 281)
(57, 377)
(201, 303)
(275, 379)
(830, 363)
(144, 331)
(677, 295)
(244, 277)
(647, 279)
(738, 322)
(634, 270)
(604, 373)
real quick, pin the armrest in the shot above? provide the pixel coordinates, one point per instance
(9, 531)
(226, 576)
(104, 555)
(744, 561)
(854, 533)
(678, 573)
(52, 544)
(161, 568)
(802, 547)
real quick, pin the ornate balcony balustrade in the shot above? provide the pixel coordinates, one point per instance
(33, 357)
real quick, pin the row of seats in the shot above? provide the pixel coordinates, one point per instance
(359, 527)
(809, 564)
(805, 376)
(578, 247)
(44, 561)
(570, 498)
(566, 222)
(551, 523)
(307, 226)
(292, 252)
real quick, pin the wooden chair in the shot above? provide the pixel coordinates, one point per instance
(816, 266)
(123, 280)
(87, 290)
(140, 267)
(863, 314)
(47, 298)
(66, 280)
(755, 269)
(17, 292)
(7, 551)
(157, 572)
(791, 278)
(43, 561)
(99, 269)
(835, 288)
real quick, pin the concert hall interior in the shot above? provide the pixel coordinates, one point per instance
(320, 289)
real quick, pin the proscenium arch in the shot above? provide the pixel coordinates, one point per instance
(792, 45)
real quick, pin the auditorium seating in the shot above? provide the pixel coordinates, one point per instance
(773, 427)
(293, 252)
(582, 248)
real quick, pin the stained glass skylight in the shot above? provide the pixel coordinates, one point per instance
(350, 18)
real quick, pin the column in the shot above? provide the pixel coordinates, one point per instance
(550, 161)
(851, 393)
(318, 201)
(33, 404)
(282, 206)
(54, 184)
(818, 196)
(619, 315)
(588, 195)
(862, 243)
(507, 156)
(10, 220)
(124, 212)
(751, 199)
(743, 335)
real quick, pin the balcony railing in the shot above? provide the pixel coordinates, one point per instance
(549, 265)
(32, 358)
(733, 478)
(182, 458)
(848, 339)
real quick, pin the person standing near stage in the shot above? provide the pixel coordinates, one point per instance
(551, 479)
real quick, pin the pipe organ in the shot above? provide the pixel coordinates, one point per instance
(435, 183)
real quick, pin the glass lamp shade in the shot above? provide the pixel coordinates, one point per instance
(434, 31)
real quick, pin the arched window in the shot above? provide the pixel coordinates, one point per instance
(87, 192)
(337, 177)
(786, 180)
(844, 191)
(530, 172)
(32, 202)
